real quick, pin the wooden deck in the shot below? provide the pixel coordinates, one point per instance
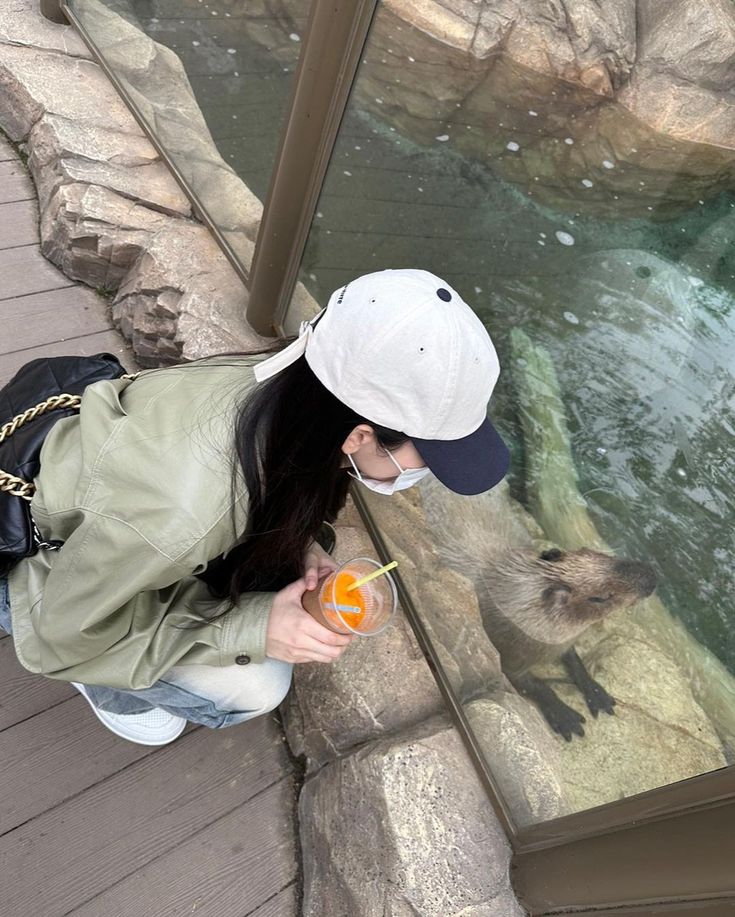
(91, 824)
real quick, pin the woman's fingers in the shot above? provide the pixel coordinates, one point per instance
(294, 636)
(317, 564)
(321, 634)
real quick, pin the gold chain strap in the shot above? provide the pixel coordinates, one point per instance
(11, 484)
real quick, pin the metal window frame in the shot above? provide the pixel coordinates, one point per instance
(332, 49)
(668, 851)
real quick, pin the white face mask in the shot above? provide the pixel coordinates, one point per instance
(406, 478)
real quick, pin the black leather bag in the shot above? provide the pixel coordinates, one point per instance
(47, 380)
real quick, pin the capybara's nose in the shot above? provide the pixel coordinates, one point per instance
(639, 574)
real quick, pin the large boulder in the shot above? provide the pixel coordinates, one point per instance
(95, 235)
(65, 152)
(29, 86)
(403, 827)
(182, 299)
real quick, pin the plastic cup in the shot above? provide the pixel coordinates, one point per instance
(365, 611)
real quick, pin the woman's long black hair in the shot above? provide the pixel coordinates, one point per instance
(288, 435)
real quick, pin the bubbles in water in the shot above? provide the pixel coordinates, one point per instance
(196, 43)
(294, 37)
(442, 138)
(587, 183)
(232, 50)
(543, 235)
(696, 281)
(564, 237)
(533, 114)
(681, 472)
(571, 318)
(478, 290)
(607, 164)
(512, 146)
(379, 101)
(601, 450)
(568, 140)
(412, 59)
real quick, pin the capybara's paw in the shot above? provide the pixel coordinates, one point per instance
(598, 699)
(564, 720)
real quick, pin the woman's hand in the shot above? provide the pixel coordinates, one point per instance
(293, 635)
(317, 565)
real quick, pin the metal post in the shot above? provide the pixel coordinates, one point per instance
(51, 9)
(333, 45)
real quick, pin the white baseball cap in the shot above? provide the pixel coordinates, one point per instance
(403, 350)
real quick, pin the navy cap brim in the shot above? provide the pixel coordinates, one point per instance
(470, 465)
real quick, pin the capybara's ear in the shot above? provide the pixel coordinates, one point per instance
(557, 595)
(551, 554)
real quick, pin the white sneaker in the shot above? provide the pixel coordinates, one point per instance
(154, 727)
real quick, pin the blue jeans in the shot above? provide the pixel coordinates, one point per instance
(213, 696)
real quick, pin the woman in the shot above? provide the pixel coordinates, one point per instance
(188, 502)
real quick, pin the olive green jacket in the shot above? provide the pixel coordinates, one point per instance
(139, 488)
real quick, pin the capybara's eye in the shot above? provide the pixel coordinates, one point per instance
(551, 554)
(599, 599)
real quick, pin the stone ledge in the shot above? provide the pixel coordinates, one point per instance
(404, 827)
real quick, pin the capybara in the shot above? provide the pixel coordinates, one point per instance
(534, 604)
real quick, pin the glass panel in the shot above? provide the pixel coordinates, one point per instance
(212, 81)
(576, 188)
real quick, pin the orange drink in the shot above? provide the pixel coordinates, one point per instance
(366, 610)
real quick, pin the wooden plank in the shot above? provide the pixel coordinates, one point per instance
(72, 853)
(232, 867)
(16, 188)
(10, 168)
(284, 904)
(42, 318)
(24, 270)
(18, 224)
(7, 153)
(58, 753)
(15, 182)
(84, 345)
(23, 695)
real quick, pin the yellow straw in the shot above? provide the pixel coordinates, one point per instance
(371, 576)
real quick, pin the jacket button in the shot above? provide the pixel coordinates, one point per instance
(242, 659)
